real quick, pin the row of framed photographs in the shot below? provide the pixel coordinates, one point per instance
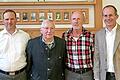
(35, 16)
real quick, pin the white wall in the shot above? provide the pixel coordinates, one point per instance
(116, 3)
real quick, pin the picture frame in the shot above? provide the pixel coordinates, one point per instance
(18, 16)
(25, 16)
(86, 15)
(58, 16)
(33, 16)
(50, 15)
(36, 16)
(66, 16)
(1, 17)
(42, 16)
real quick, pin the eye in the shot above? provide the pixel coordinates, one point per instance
(46, 28)
(6, 19)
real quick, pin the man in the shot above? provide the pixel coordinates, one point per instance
(107, 47)
(12, 49)
(80, 50)
(46, 54)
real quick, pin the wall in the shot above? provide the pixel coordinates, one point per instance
(94, 17)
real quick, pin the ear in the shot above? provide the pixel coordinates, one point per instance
(40, 30)
(117, 16)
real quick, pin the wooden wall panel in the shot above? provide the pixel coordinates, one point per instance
(34, 32)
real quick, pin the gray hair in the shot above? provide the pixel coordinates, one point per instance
(47, 22)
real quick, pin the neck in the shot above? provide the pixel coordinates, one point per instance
(77, 32)
(11, 31)
(110, 28)
(48, 41)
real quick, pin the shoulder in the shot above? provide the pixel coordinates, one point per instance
(1, 33)
(35, 39)
(101, 31)
(88, 33)
(24, 33)
(59, 40)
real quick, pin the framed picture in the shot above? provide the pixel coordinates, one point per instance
(41, 16)
(0, 16)
(58, 16)
(66, 16)
(18, 17)
(25, 16)
(33, 16)
(86, 15)
(50, 15)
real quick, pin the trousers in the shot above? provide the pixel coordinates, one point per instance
(69, 75)
(20, 76)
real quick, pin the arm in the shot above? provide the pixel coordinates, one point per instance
(96, 60)
(28, 60)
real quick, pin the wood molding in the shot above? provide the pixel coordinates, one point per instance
(46, 3)
(34, 32)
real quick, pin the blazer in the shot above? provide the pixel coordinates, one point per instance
(45, 63)
(100, 56)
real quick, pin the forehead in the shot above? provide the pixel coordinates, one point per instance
(108, 10)
(48, 24)
(77, 14)
(9, 14)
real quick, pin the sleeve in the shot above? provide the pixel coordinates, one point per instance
(28, 59)
(96, 60)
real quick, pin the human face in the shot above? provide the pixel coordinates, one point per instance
(77, 20)
(109, 17)
(48, 30)
(9, 21)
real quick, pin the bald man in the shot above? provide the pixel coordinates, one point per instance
(80, 50)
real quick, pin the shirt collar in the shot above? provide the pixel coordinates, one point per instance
(84, 31)
(6, 32)
(49, 43)
(113, 30)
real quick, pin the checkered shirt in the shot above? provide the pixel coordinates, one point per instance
(79, 53)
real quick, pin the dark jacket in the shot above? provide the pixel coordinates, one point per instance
(45, 63)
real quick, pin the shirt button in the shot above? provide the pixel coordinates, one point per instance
(48, 69)
(48, 58)
(46, 48)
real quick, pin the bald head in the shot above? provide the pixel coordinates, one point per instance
(77, 19)
(79, 13)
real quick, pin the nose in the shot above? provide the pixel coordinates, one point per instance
(49, 30)
(9, 21)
